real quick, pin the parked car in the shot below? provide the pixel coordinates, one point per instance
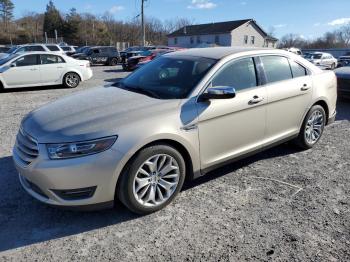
(42, 69)
(344, 60)
(294, 50)
(107, 55)
(324, 60)
(180, 116)
(69, 50)
(20, 49)
(134, 51)
(4, 49)
(143, 58)
(343, 76)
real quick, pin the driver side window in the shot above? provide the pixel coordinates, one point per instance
(239, 74)
(28, 60)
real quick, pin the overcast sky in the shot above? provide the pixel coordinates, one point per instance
(308, 18)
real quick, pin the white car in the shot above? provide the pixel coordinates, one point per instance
(322, 60)
(20, 49)
(42, 69)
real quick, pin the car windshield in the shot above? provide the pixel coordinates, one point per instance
(7, 58)
(168, 77)
(65, 48)
(315, 56)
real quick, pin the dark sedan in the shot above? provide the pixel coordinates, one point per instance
(343, 76)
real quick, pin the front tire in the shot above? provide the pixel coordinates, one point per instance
(312, 128)
(113, 62)
(71, 80)
(152, 179)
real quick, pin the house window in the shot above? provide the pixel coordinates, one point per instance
(198, 39)
(246, 39)
(217, 39)
(175, 40)
(252, 40)
(191, 40)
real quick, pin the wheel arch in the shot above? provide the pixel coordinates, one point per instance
(324, 105)
(170, 142)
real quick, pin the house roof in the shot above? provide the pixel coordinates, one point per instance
(207, 29)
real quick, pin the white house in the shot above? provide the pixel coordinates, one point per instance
(231, 33)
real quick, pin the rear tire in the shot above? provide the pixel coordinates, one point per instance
(312, 128)
(152, 179)
(71, 80)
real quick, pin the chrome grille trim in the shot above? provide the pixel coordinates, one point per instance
(26, 148)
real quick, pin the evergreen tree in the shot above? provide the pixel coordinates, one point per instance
(6, 14)
(72, 26)
(53, 21)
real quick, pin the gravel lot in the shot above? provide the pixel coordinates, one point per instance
(282, 204)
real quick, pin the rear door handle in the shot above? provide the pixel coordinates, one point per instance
(33, 69)
(305, 87)
(255, 100)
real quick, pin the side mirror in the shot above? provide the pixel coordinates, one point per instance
(13, 65)
(218, 92)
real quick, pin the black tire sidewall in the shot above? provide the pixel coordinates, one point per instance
(113, 62)
(126, 186)
(302, 139)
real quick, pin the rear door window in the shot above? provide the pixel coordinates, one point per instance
(51, 59)
(35, 48)
(276, 68)
(297, 70)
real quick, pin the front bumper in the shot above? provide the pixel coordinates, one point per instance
(43, 178)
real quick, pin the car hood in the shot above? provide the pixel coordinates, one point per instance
(343, 72)
(96, 113)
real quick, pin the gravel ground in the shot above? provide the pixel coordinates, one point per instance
(282, 204)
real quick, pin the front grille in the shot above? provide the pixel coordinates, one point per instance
(26, 148)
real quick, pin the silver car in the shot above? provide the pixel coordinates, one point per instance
(180, 116)
(322, 60)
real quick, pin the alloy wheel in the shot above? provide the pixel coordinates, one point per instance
(156, 180)
(72, 80)
(314, 127)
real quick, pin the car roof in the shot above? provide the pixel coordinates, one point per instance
(220, 52)
(40, 53)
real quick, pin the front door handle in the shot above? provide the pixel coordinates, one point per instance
(33, 69)
(255, 100)
(305, 87)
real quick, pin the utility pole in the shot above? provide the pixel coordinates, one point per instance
(143, 23)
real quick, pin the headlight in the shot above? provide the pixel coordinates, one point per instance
(79, 149)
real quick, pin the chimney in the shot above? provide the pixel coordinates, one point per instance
(185, 31)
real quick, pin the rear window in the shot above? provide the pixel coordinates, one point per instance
(276, 68)
(65, 48)
(297, 70)
(53, 48)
